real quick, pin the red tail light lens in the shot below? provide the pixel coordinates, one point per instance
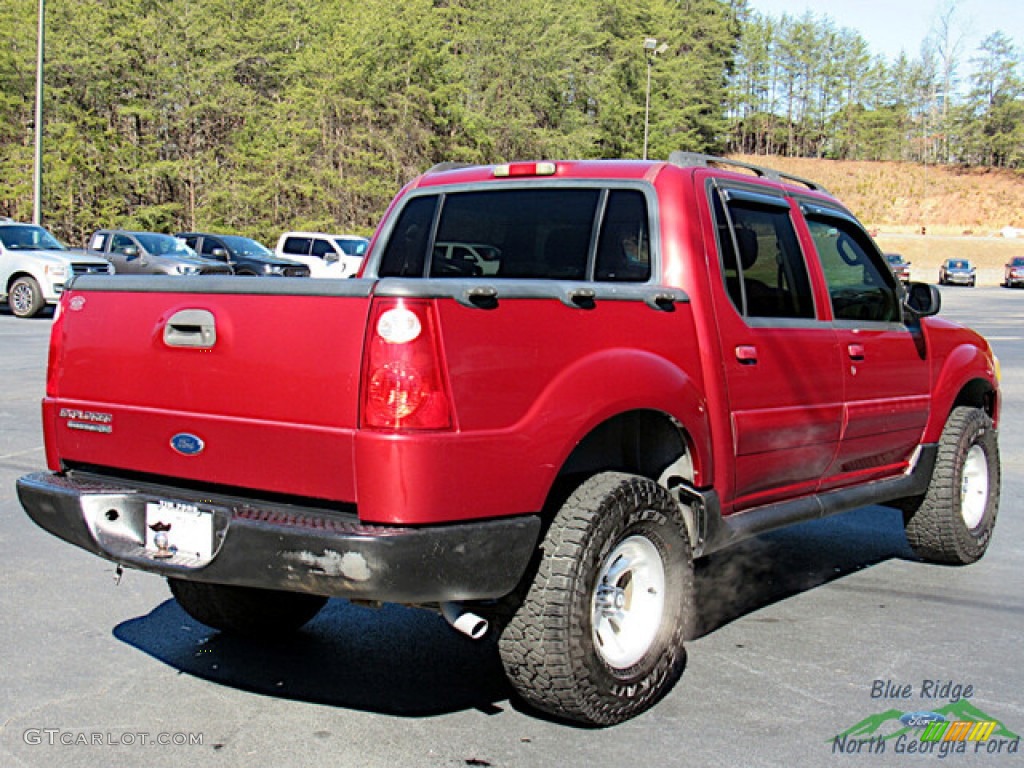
(56, 339)
(404, 386)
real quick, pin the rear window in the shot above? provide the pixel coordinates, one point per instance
(547, 234)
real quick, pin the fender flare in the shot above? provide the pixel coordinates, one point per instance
(964, 364)
(594, 390)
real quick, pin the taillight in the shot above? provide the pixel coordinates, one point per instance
(404, 385)
(56, 343)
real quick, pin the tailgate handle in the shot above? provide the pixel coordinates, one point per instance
(194, 328)
(480, 297)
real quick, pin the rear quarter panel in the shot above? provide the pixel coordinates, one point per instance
(529, 380)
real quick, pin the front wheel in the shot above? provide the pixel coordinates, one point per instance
(953, 522)
(25, 298)
(245, 610)
(599, 636)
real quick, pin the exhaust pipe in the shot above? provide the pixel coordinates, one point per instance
(467, 622)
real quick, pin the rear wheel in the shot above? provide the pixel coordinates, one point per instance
(599, 636)
(25, 298)
(953, 522)
(245, 610)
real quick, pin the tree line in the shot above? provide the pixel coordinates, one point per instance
(803, 87)
(259, 116)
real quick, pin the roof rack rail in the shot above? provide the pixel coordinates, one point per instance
(448, 165)
(697, 159)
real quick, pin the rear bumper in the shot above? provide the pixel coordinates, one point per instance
(285, 547)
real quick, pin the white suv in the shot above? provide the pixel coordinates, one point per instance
(34, 267)
(325, 255)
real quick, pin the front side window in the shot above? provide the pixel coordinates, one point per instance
(322, 249)
(537, 233)
(763, 265)
(860, 284)
(120, 243)
(209, 246)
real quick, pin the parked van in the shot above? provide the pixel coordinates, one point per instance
(326, 255)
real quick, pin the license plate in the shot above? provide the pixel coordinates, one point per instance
(174, 528)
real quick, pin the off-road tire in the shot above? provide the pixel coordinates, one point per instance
(953, 522)
(25, 298)
(553, 657)
(245, 610)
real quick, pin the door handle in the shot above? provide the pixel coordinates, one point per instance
(855, 351)
(746, 354)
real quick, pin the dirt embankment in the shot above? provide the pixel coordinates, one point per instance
(927, 213)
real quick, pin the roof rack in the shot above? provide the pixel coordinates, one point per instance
(696, 159)
(448, 165)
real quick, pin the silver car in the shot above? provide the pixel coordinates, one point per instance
(957, 272)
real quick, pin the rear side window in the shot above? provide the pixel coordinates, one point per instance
(297, 245)
(537, 233)
(763, 265)
(406, 253)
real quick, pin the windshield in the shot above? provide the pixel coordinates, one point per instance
(28, 237)
(165, 245)
(353, 246)
(1017, 261)
(245, 246)
(959, 265)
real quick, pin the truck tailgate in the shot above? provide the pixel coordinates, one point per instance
(245, 382)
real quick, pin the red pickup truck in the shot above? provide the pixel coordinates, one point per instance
(628, 366)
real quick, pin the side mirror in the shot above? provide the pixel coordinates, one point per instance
(219, 253)
(923, 299)
(331, 257)
(131, 251)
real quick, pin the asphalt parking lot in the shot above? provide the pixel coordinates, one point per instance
(811, 632)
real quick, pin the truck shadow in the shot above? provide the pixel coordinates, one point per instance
(409, 663)
(778, 565)
(393, 660)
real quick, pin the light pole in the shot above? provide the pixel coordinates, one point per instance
(37, 202)
(651, 49)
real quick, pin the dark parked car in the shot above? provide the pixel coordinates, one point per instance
(151, 253)
(899, 267)
(244, 255)
(1014, 272)
(957, 272)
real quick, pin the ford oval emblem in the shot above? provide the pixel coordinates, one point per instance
(921, 719)
(187, 445)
